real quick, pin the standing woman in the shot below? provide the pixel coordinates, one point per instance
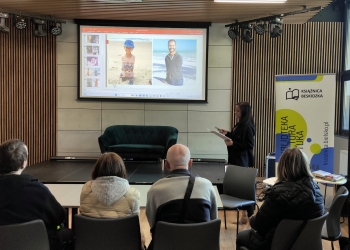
(240, 147)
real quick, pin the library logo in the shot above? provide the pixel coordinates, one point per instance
(292, 94)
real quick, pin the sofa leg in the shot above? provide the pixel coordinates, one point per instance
(163, 162)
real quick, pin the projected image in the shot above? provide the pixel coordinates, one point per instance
(174, 62)
(88, 50)
(129, 61)
(91, 61)
(143, 63)
(92, 38)
(92, 72)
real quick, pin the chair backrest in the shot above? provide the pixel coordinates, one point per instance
(309, 238)
(195, 236)
(332, 222)
(30, 235)
(99, 233)
(240, 182)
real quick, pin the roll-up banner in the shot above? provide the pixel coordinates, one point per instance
(305, 108)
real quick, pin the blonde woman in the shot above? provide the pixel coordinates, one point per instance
(108, 194)
(295, 196)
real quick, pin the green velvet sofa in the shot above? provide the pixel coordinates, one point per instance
(138, 142)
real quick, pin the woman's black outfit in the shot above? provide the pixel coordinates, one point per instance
(241, 151)
(300, 200)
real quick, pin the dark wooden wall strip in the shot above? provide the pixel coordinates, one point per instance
(302, 49)
(28, 91)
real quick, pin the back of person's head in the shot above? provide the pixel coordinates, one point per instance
(109, 164)
(246, 112)
(293, 165)
(178, 156)
(13, 153)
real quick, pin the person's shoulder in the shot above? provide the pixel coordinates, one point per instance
(169, 182)
(203, 181)
(133, 192)
(87, 186)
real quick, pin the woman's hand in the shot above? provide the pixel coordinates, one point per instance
(223, 131)
(228, 142)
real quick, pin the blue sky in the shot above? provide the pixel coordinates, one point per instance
(181, 44)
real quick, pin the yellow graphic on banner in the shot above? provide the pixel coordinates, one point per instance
(290, 122)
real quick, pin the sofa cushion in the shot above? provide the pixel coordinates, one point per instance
(136, 148)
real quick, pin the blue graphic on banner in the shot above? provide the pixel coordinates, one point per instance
(296, 78)
(282, 142)
(323, 161)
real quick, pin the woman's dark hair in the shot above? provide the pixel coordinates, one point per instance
(246, 118)
(109, 164)
(12, 155)
(293, 165)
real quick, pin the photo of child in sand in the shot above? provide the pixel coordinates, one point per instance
(174, 62)
(129, 61)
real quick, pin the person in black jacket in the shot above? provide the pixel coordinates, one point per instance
(23, 198)
(240, 147)
(295, 196)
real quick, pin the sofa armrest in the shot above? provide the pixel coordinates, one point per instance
(103, 147)
(171, 141)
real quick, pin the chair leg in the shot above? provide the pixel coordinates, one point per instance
(237, 222)
(332, 245)
(225, 218)
(163, 160)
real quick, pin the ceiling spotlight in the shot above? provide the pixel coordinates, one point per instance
(276, 27)
(3, 27)
(56, 29)
(233, 33)
(21, 23)
(260, 28)
(39, 28)
(247, 35)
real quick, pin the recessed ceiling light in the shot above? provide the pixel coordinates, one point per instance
(250, 1)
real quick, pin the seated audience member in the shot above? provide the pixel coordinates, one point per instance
(295, 196)
(23, 198)
(165, 198)
(108, 194)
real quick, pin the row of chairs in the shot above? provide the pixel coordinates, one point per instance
(122, 233)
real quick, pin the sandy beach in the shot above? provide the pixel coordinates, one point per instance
(142, 67)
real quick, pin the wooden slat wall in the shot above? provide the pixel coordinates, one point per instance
(302, 49)
(28, 91)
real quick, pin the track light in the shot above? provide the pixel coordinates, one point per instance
(260, 28)
(21, 23)
(56, 29)
(276, 27)
(233, 33)
(39, 28)
(247, 33)
(3, 27)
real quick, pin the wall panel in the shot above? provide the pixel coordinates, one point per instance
(28, 91)
(302, 49)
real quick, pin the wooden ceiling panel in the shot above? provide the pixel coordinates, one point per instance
(160, 10)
